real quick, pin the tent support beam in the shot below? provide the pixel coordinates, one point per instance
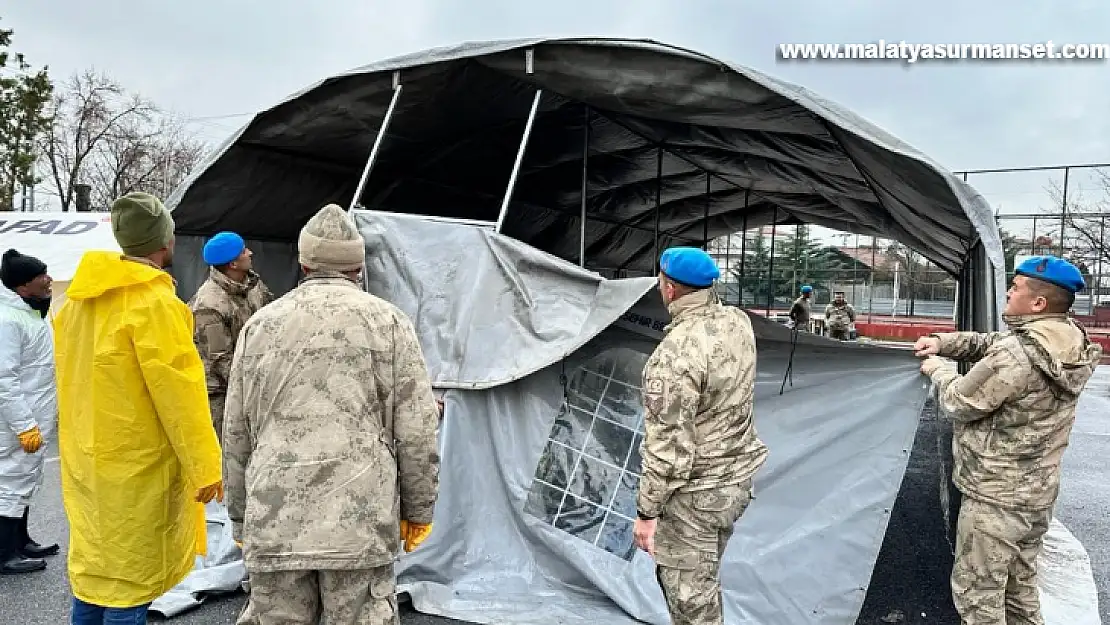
(744, 249)
(585, 189)
(377, 141)
(771, 265)
(658, 204)
(705, 221)
(519, 159)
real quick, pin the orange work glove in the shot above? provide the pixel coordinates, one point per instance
(31, 440)
(412, 534)
(210, 492)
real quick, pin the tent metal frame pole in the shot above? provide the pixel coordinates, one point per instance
(743, 251)
(728, 266)
(397, 87)
(871, 289)
(705, 221)
(1064, 211)
(771, 264)
(519, 160)
(585, 189)
(658, 204)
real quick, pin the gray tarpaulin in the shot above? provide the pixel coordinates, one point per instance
(533, 523)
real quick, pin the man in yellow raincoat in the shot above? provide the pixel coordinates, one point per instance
(139, 457)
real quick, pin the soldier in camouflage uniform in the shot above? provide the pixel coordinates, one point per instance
(801, 309)
(839, 315)
(701, 450)
(1013, 414)
(231, 294)
(330, 440)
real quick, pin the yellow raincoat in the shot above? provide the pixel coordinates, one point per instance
(134, 432)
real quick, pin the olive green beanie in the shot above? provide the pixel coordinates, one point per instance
(141, 224)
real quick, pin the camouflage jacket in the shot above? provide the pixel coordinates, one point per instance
(801, 311)
(839, 316)
(220, 307)
(698, 389)
(1014, 409)
(330, 430)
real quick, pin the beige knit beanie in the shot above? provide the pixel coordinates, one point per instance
(330, 241)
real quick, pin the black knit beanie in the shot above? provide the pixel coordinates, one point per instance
(17, 270)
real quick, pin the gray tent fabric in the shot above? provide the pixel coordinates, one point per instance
(533, 524)
(719, 146)
(550, 308)
(222, 570)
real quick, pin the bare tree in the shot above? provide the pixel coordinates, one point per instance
(143, 158)
(1084, 220)
(109, 142)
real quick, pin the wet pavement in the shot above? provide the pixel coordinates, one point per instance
(1084, 503)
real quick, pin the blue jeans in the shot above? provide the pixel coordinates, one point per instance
(89, 614)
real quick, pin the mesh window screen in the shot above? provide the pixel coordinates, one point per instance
(586, 480)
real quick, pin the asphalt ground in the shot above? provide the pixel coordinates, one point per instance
(43, 598)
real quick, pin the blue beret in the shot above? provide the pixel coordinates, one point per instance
(1052, 270)
(807, 289)
(690, 266)
(223, 248)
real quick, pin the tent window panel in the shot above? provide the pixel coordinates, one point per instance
(624, 501)
(571, 428)
(580, 518)
(544, 501)
(609, 443)
(595, 481)
(616, 537)
(556, 464)
(595, 440)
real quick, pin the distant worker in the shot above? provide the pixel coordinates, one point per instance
(138, 453)
(701, 451)
(1013, 414)
(28, 405)
(231, 294)
(839, 316)
(800, 311)
(330, 438)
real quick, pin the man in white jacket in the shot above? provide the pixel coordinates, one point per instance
(28, 405)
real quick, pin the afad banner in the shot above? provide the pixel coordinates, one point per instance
(57, 239)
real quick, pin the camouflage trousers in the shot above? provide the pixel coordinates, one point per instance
(840, 333)
(690, 540)
(216, 406)
(994, 579)
(365, 597)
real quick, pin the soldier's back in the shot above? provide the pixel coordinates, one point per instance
(729, 448)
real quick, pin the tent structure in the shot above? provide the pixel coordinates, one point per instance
(599, 151)
(504, 180)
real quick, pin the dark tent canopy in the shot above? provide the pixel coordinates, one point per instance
(670, 146)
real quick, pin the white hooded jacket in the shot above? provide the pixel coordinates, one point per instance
(28, 397)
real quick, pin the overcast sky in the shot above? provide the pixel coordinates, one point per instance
(215, 58)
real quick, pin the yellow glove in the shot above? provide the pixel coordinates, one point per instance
(31, 440)
(412, 534)
(210, 492)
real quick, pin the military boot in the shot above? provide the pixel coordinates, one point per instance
(30, 548)
(11, 561)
